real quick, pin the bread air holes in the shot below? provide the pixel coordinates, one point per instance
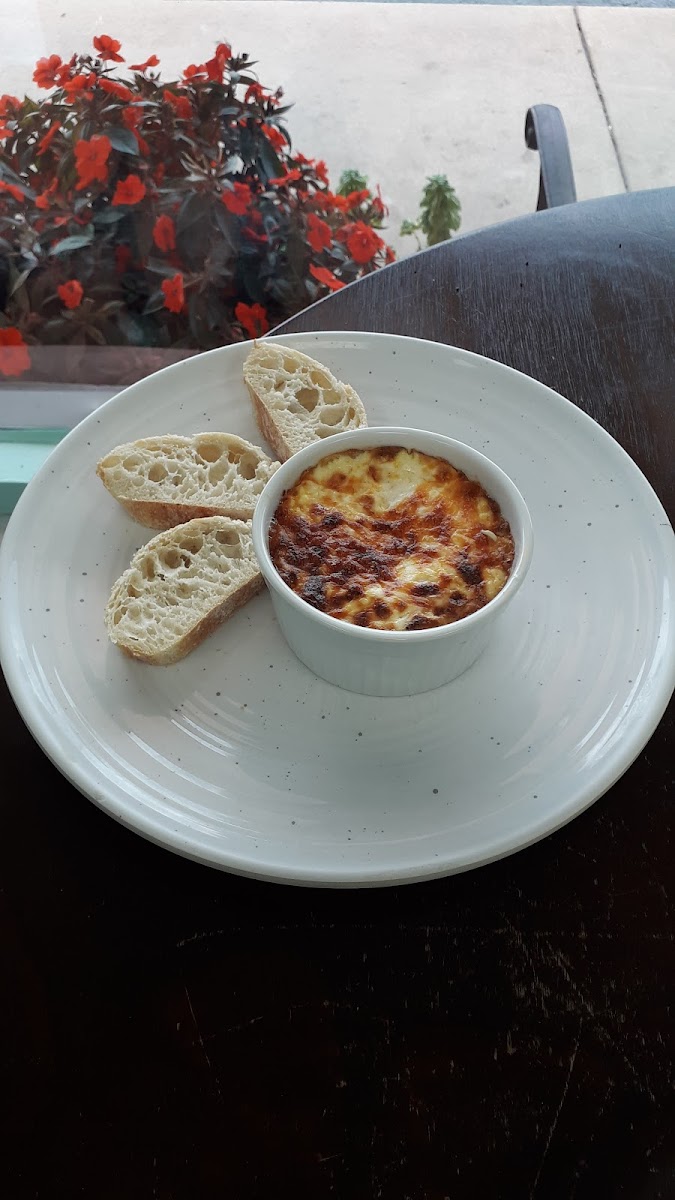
(331, 416)
(308, 398)
(210, 451)
(247, 466)
(157, 473)
(170, 558)
(219, 470)
(228, 540)
(192, 544)
(131, 462)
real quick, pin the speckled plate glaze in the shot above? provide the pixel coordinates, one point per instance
(240, 758)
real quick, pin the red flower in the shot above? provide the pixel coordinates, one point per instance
(7, 103)
(260, 238)
(107, 48)
(288, 177)
(123, 258)
(44, 199)
(78, 85)
(275, 136)
(326, 201)
(356, 198)
(319, 233)
(164, 233)
(238, 200)
(322, 171)
(116, 89)
(378, 205)
(253, 318)
(13, 191)
(47, 138)
(45, 73)
(5, 132)
(128, 191)
(180, 104)
(152, 61)
(255, 91)
(174, 295)
(215, 66)
(362, 241)
(323, 275)
(195, 74)
(71, 293)
(90, 160)
(14, 356)
(130, 117)
(389, 256)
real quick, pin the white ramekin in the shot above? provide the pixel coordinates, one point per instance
(379, 662)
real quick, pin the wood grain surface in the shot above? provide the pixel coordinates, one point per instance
(169, 1031)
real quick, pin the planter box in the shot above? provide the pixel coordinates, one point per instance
(109, 366)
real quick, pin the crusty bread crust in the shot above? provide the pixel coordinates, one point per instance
(216, 617)
(296, 400)
(268, 429)
(180, 587)
(165, 516)
(167, 480)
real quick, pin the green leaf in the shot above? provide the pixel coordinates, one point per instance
(160, 267)
(440, 210)
(351, 181)
(155, 302)
(267, 162)
(121, 139)
(108, 216)
(95, 335)
(76, 242)
(225, 223)
(192, 209)
(132, 328)
(20, 280)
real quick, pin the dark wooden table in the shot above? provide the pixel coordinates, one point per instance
(172, 1032)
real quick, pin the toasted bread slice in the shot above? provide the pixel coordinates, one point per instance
(180, 587)
(164, 481)
(297, 400)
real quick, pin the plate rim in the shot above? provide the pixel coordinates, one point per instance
(159, 831)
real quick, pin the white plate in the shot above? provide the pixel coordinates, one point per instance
(239, 757)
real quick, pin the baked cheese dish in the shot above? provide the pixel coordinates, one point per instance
(389, 538)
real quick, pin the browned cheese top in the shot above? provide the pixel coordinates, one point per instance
(391, 539)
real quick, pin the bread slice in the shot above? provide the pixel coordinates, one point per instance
(164, 481)
(180, 587)
(297, 400)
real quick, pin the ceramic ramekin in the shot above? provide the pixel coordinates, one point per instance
(379, 662)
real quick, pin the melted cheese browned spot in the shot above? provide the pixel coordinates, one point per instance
(391, 539)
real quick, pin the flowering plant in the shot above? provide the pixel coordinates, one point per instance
(172, 214)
